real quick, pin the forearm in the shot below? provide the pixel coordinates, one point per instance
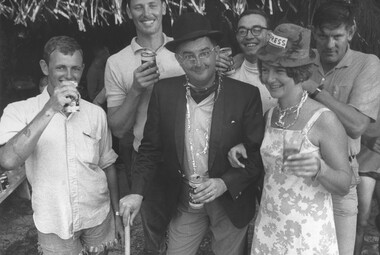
(122, 118)
(335, 181)
(20, 147)
(100, 98)
(354, 122)
(113, 186)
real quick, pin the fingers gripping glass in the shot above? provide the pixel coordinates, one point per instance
(191, 58)
(255, 30)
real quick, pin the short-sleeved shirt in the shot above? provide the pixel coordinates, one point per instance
(118, 79)
(65, 169)
(249, 73)
(355, 81)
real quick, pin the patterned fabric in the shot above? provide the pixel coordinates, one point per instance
(296, 214)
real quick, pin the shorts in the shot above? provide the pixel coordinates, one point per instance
(93, 240)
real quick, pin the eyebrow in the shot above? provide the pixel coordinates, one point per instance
(206, 48)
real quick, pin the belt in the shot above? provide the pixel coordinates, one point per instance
(350, 158)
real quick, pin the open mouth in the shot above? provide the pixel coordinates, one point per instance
(251, 45)
(148, 22)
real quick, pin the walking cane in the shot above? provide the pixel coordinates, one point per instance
(127, 239)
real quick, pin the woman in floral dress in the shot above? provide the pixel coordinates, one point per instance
(296, 214)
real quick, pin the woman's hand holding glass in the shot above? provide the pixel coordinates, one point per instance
(303, 165)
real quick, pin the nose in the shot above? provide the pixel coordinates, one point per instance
(69, 74)
(330, 43)
(249, 34)
(197, 61)
(271, 76)
(147, 10)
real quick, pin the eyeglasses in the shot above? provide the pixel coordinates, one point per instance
(192, 58)
(255, 30)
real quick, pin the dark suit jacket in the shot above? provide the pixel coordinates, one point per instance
(237, 118)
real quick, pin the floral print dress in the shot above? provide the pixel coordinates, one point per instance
(296, 213)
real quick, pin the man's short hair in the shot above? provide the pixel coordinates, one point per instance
(334, 14)
(129, 2)
(64, 44)
(257, 12)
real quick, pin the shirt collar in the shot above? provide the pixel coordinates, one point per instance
(136, 48)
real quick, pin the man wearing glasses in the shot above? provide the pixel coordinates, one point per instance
(193, 120)
(252, 33)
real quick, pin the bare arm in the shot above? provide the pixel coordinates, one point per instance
(100, 98)
(122, 118)
(113, 187)
(334, 171)
(18, 148)
(354, 122)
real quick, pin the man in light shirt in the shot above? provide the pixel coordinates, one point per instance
(347, 82)
(68, 158)
(129, 85)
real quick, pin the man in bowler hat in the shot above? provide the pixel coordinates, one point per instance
(193, 120)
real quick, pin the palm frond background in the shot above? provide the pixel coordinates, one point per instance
(25, 25)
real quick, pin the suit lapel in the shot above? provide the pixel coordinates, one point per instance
(180, 125)
(216, 128)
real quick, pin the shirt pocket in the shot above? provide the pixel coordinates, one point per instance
(89, 149)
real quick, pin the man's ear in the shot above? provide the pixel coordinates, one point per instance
(163, 8)
(44, 67)
(129, 12)
(351, 31)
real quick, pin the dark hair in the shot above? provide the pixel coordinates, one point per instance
(298, 73)
(334, 13)
(64, 44)
(257, 12)
(129, 2)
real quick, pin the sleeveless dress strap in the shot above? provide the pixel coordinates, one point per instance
(313, 119)
(269, 117)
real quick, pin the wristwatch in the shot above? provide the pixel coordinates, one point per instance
(316, 92)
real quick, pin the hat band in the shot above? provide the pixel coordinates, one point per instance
(278, 41)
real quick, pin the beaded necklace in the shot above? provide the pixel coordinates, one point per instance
(295, 109)
(204, 150)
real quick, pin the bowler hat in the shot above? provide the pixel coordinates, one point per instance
(190, 26)
(288, 46)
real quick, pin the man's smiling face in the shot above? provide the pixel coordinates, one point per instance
(250, 43)
(147, 15)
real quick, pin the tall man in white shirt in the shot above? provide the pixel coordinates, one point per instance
(129, 86)
(68, 158)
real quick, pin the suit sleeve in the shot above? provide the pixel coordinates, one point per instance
(238, 179)
(150, 153)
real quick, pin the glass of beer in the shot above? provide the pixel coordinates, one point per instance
(292, 144)
(73, 106)
(148, 55)
(194, 181)
(227, 51)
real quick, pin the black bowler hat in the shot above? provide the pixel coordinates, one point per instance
(190, 26)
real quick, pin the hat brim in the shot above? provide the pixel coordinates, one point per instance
(213, 34)
(275, 56)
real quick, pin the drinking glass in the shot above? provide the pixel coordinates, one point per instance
(292, 144)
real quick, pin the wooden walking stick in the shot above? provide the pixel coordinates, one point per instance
(127, 239)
